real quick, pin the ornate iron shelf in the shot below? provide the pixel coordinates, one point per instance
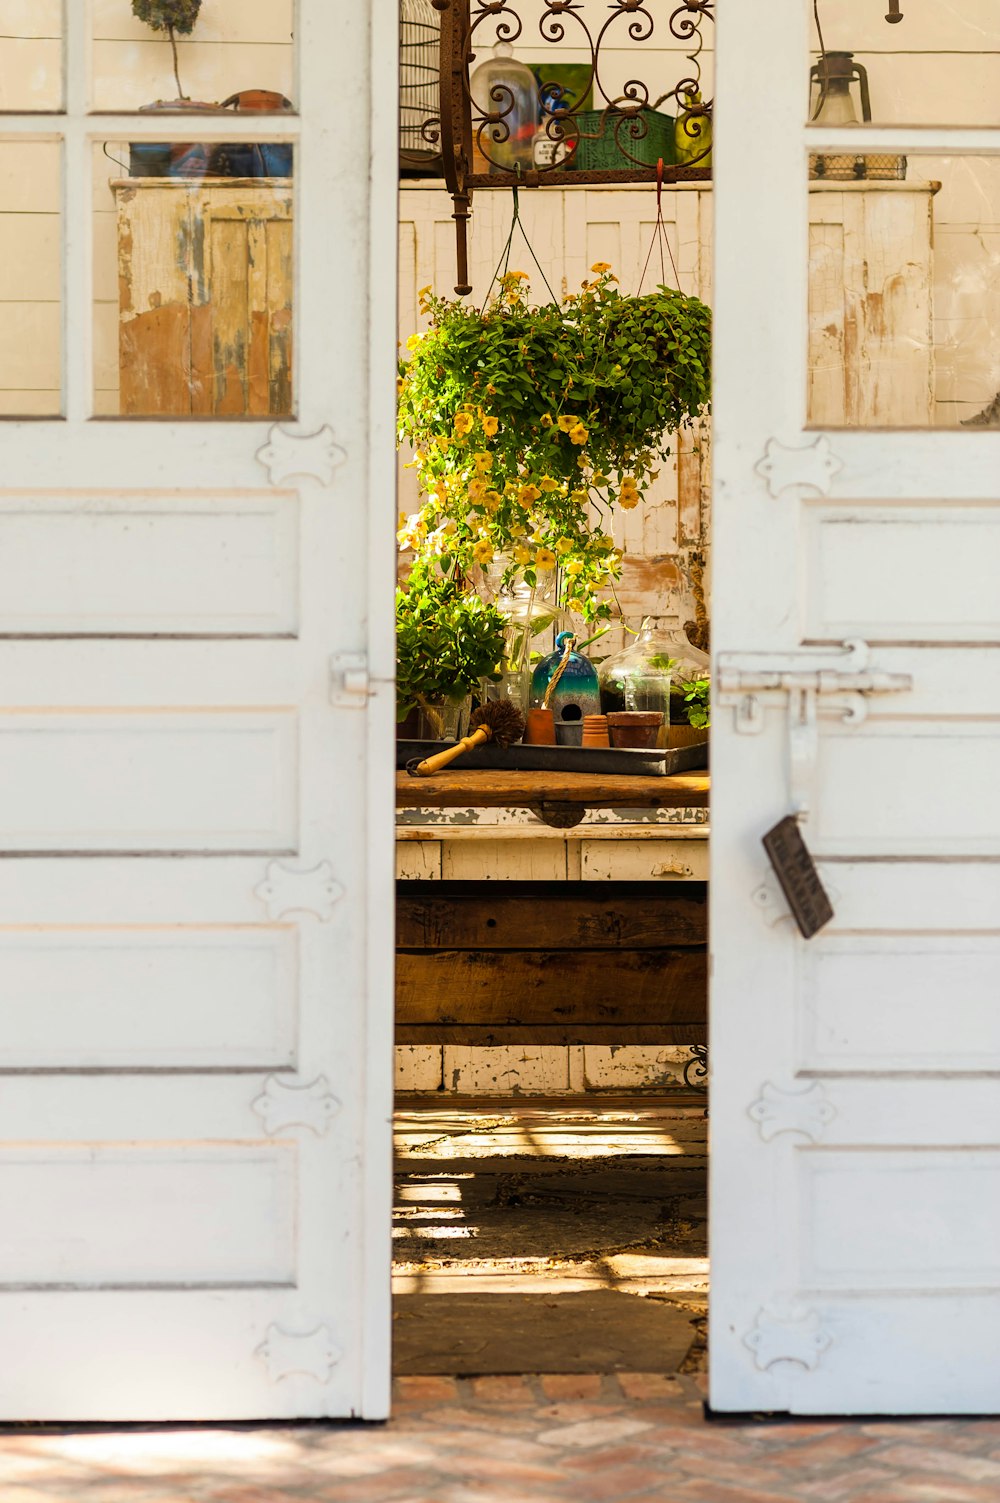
(599, 134)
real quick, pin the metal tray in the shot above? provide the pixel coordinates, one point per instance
(607, 760)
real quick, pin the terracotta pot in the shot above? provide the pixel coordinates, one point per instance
(539, 728)
(634, 728)
(595, 731)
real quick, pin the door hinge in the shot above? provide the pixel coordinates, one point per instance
(350, 682)
(812, 679)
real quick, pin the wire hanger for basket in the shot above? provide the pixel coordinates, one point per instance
(503, 265)
(660, 237)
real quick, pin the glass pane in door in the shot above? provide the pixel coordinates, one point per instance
(238, 53)
(904, 62)
(30, 279)
(904, 297)
(30, 55)
(193, 273)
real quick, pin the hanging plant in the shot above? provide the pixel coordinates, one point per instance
(531, 425)
(176, 18)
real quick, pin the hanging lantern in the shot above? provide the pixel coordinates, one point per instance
(832, 103)
(419, 86)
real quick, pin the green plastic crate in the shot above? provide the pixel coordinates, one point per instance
(598, 149)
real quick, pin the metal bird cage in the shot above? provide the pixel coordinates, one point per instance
(419, 86)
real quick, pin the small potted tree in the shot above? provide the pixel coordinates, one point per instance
(176, 18)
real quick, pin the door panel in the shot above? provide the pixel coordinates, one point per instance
(856, 1137)
(195, 1018)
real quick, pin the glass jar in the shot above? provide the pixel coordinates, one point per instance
(656, 673)
(505, 88)
(530, 610)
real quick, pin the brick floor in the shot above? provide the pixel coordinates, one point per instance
(583, 1439)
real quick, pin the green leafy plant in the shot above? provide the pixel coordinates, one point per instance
(446, 642)
(532, 425)
(175, 17)
(697, 703)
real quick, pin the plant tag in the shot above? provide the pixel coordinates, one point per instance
(796, 872)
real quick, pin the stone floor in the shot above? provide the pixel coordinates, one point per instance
(586, 1439)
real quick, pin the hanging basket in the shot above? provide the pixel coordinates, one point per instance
(607, 144)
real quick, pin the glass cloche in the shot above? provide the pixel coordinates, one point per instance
(655, 672)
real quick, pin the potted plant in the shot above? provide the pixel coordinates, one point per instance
(532, 425)
(176, 18)
(447, 641)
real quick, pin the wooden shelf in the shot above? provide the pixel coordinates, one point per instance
(495, 790)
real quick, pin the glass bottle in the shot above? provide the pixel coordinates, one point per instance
(693, 132)
(656, 672)
(501, 86)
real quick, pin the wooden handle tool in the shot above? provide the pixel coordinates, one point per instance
(500, 721)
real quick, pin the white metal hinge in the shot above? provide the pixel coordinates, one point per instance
(350, 682)
(833, 679)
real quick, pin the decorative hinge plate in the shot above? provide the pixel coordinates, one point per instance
(788, 1333)
(836, 679)
(309, 1354)
(285, 1104)
(350, 682)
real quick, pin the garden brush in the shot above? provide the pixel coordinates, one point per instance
(499, 721)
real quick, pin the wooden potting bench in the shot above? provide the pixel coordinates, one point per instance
(598, 933)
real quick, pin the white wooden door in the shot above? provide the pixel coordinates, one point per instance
(196, 819)
(856, 1075)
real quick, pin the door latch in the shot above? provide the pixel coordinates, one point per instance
(350, 682)
(811, 679)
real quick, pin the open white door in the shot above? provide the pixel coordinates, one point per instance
(195, 782)
(856, 1100)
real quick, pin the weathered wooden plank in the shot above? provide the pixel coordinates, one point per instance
(559, 1034)
(587, 988)
(571, 915)
(491, 790)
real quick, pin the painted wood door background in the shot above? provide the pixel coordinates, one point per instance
(855, 1123)
(195, 823)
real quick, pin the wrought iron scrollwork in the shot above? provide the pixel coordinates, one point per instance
(628, 131)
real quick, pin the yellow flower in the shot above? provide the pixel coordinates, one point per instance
(483, 462)
(547, 420)
(483, 552)
(600, 266)
(491, 500)
(440, 490)
(579, 434)
(629, 483)
(575, 605)
(463, 423)
(548, 485)
(580, 497)
(491, 427)
(443, 443)
(527, 494)
(564, 545)
(522, 555)
(574, 567)
(425, 290)
(600, 478)
(545, 560)
(477, 489)
(567, 420)
(628, 500)
(413, 343)
(515, 276)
